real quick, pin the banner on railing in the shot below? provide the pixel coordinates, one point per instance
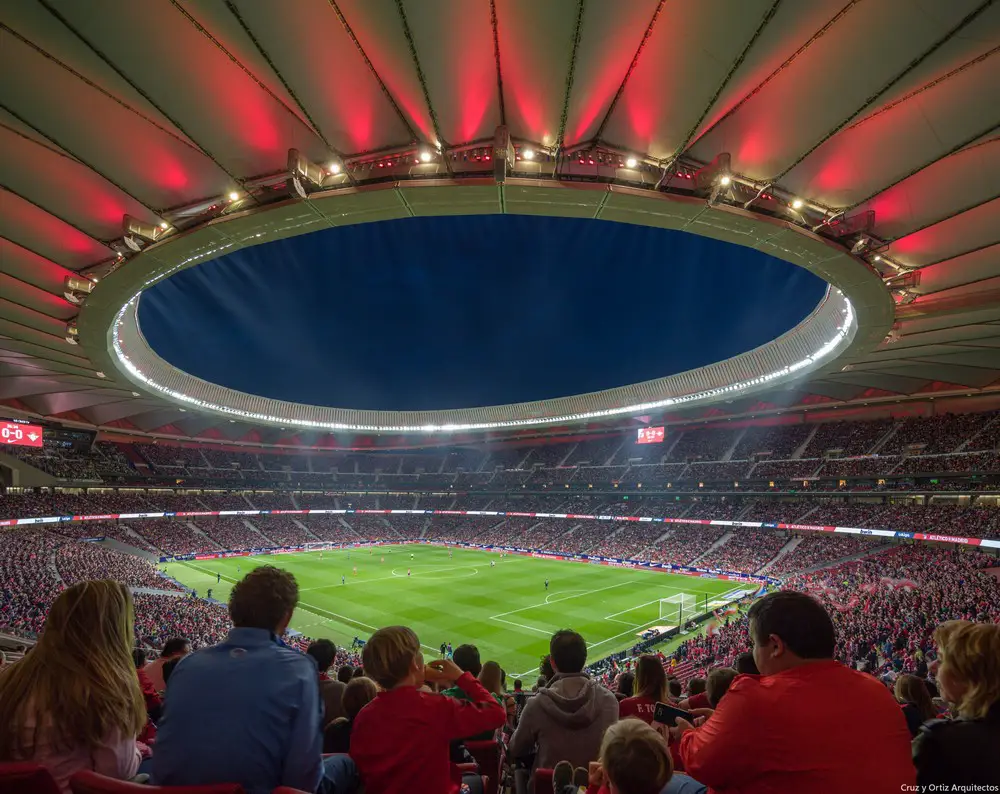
(887, 533)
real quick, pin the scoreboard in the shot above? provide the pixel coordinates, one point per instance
(18, 435)
(650, 435)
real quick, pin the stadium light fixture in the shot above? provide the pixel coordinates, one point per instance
(797, 204)
(233, 195)
(333, 168)
(528, 154)
(631, 162)
(164, 225)
(725, 180)
(425, 156)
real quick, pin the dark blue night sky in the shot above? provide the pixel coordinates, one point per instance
(428, 313)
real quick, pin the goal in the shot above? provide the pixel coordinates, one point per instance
(677, 608)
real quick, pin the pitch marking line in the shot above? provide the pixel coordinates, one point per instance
(348, 621)
(547, 602)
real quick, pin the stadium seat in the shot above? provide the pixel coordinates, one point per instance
(542, 780)
(87, 782)
(489, 758)
(22, 778)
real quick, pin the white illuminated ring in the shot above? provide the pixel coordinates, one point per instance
(834, 329)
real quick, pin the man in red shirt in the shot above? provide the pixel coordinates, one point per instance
(806, 723)
(400, 741)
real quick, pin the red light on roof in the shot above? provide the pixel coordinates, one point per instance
(487, 157)
(591, 161)
(381, 165)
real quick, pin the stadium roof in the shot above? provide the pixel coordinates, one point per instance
(876, 116)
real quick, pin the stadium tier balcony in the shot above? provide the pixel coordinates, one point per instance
(171, 457)
(326, 528)
(28, 582)
(778, 440)
(284, 530)
(466, 460)
(937, 434)
(655, 475)
(409, 527)
(548, 456)
(446, 502)
(721, 510)
(551, 478)
(375, 528)
(158, 618)
(875, 466)
(420, 464)
(271, 501)
(232, 532)
(178, 503)
(220, 459)
(685, 543)
(629, 541)
(747, 551)
(783, 470)
(948, 464)
(504, 458)
(174, 536)
(822, 550)
(730, 471)
(466, 480)
(394, 502)
(461, 528)
(78, 562)
(102, 529)
(596, 452)
(853, 438)
(703, 443)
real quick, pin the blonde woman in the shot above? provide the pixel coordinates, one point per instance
(962, 752)
(74, 702)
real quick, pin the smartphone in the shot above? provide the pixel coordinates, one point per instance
(665, 714)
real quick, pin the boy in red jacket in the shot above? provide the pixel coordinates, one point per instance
(400, 741)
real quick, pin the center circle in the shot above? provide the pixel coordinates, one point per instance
(455, 312)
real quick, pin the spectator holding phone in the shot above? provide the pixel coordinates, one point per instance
(807, 724)
(400, 741)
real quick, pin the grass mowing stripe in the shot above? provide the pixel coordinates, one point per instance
(504, 609)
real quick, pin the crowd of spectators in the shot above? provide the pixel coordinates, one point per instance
(233, 532)
(816, 551)
(685, 543)
(746, 551)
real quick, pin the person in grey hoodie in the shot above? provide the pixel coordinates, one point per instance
(566, 720)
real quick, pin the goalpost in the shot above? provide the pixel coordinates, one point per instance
(677, 609)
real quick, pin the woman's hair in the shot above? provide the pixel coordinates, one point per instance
(388, 655)
(626, 684)
(635, 758)
(719, 681)
(490, 677)
(358, 694)
(650, 678)
(970, 654)
(913, 690)
(80, 679)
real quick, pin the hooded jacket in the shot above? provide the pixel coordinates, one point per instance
(566, 720)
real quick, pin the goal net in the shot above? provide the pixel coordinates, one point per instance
(677, 608)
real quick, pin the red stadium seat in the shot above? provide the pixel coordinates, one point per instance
(542, 780)
(489, 758)
(18, 778)
(87, 782)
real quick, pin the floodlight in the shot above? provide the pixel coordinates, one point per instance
(76, 289)
(725, 179)
(425, 156)
(164, 225)
(528, 154)
(333, 168)
(233, 195)
(631, 162)
(797, 204)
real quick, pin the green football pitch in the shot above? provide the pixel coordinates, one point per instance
(458, 597)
